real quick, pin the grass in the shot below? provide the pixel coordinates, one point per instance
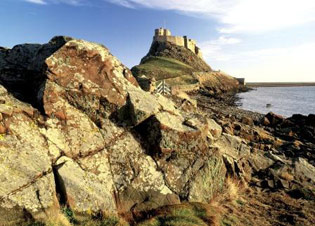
(229, 199)
(186, 214)
(66, 217)
(68, 213)
(181, 80)
(162, 68)
(220, 211)
(217, 212)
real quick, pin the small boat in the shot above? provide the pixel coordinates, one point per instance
(268, 105)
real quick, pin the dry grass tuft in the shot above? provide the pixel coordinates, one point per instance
(57, 219)
(230, 198)
(232, 191)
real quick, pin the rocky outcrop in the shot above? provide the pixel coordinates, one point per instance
(181, 150)
(182, 70)
(22, 68)
(27, 181)
(270, 152)
(167, 49)
(216, 82)
(89, 139)
(77, 133)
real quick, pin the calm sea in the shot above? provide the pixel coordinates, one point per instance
(285, 101)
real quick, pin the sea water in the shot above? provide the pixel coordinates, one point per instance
(285, 101)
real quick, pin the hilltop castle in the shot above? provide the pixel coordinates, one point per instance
(164, 35)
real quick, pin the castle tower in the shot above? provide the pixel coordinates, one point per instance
(164, 35)
(162, 32)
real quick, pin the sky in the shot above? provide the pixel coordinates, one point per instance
(260, 40)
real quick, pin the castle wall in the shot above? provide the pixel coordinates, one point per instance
(167, 32)
(162, 32)
(177, 40)
(192, 46)
(164, 35)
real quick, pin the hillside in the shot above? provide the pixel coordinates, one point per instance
(166, 60)
(181, 67)
(167, 49)
(161, 68)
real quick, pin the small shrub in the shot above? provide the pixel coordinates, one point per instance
(69, 214)
(110, 221)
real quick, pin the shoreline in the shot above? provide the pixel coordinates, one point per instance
(296, 128)
(289, 112)
(279, 84)
(229, 104)
(226, 104)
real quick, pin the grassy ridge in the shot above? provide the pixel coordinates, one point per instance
(162, 68)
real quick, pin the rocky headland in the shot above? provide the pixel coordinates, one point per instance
(181, 69)
(82, 144)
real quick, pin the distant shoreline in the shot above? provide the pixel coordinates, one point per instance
(279, 84)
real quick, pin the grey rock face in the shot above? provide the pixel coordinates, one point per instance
(83, 148)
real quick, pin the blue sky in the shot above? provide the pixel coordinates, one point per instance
(270, 40)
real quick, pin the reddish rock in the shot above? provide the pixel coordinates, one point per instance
(247, 121)
(2, 129)
(87, 68)
(265, 121)
(274, 119)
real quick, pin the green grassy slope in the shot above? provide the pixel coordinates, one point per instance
(161, 68)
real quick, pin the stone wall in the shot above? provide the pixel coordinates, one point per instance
(190, 44)
(164, 35)
(162, 32)
(177, 40)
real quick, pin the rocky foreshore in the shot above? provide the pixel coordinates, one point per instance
(291, 138)
(81, 142)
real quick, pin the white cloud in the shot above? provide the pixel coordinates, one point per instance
(238, 15)
(40, 2)
(293, 64)
(124, 3)
(224, 40)
(233, 15)
(214, 48)
(257, 15)
(69, 2)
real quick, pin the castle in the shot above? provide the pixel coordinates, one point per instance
(164, 35)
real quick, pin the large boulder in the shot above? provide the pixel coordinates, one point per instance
(83, 191)
(139, 182)
(27, 182)
(87, 68)
(22, 68)
(181, 150)
(96, 143)
(240, 159)
(272, 119)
